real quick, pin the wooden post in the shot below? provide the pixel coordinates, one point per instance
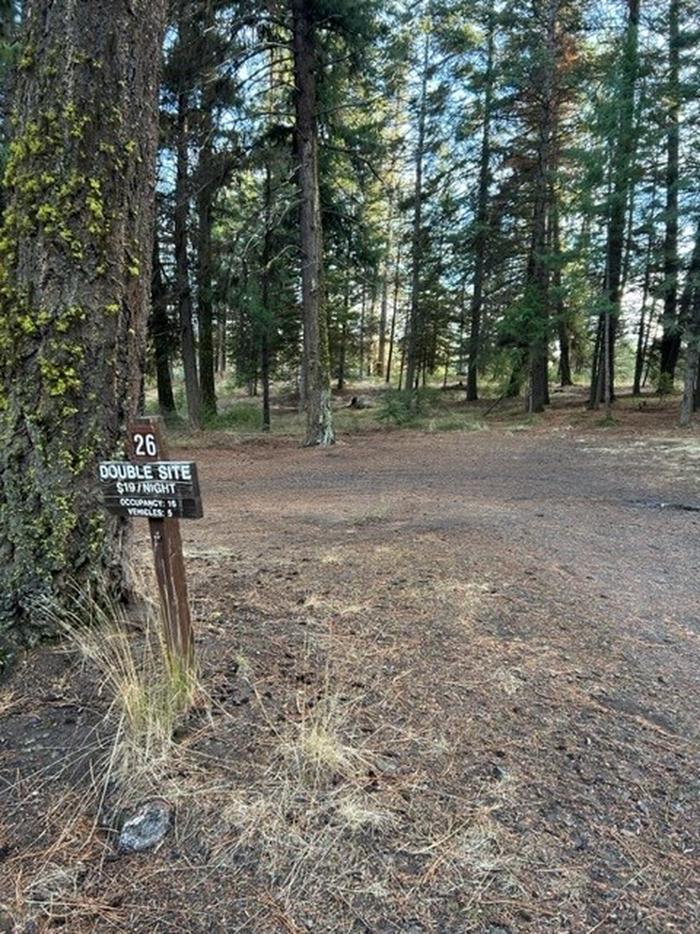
(147, 443)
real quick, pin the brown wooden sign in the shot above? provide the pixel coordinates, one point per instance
(163, 491)
(157, 490)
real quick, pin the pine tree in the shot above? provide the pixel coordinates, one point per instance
(316, 372)
(75, 274)
(671, 340)
(623, 146)
(481, 232)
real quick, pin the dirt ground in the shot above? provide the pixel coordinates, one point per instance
(452, 685)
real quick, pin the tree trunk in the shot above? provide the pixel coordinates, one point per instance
(688, 404)
(265, 295)
(182, 266)
(319, 420)
(342, 350)
(481, 239)
(643, 327)
(75, 277)
(388, 259)
(370, 323)
(564, 354)
(160, 334)
(205, 205)
(394, 313)
(363, 305)
(641, 339)
(515, 380)
(222, 331)
(414, 324)
(204, 293)
(671, 339)
(383, 317)
(603, 376)
(690, 313)
(265, 378)
(538, 273)
(563, 331)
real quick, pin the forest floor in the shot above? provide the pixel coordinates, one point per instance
(451, 684)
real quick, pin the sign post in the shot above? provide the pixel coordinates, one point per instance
(163, 491)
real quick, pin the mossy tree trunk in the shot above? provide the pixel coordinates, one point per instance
(75, 277)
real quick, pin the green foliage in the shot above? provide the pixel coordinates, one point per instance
(404, 408)
(241, 416)
(665, 384)
(399, 408)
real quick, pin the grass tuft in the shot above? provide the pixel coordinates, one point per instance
(455, 423)
(148, 690)
(317, 750)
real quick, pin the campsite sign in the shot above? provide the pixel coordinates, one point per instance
(151, 486)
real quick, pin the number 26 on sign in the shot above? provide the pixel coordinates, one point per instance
(145, 445)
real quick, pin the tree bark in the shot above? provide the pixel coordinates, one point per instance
(205, 205)
(394, 313)
(342, 350)
(75, 278)
(383, 317)
(265, 377)
(265, 296)
(690, 312)
(205, 312)
(221, 340)
(160, 334)
(319, 420)
(643, 327)
(688, 403)
(538, 272)
(671, 339)
(563, 331)
(414, 324)
(182, 264)
(481, 239)
(603, 375)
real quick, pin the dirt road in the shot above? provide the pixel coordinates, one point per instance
(495, 634)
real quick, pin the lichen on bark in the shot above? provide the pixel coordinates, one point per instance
(74, 273)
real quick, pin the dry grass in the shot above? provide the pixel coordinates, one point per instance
(307, 818)
(147, 690)
(398, 748)
(8, 700)
(316, 748)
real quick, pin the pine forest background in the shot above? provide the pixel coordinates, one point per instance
(508, 194)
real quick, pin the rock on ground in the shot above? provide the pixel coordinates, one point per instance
(146, 827)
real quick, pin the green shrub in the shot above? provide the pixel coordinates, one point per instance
(405, 408)
(242, 416)
(399, 407)
(665, 384)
